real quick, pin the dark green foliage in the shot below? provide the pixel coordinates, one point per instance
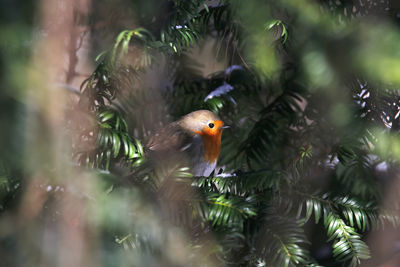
(280, 135)
(228, 211)
(285, 244)
(347, 242)
(244, 183)
(302, 152)
(112, 141)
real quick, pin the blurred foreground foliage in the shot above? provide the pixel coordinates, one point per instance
(310, 90)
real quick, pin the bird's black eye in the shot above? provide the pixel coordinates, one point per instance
(211, 125)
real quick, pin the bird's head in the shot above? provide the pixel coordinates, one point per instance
(207, 125)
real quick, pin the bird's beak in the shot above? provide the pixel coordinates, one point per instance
(226, 127)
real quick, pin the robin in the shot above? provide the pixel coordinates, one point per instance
(196, 137)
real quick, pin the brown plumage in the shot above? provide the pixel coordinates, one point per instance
(196, 137)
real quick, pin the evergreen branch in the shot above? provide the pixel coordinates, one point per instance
(358, 214)
(356, 175)
(280, 242)
(188, 24)
(101, 88)
(231, 211)
(265, 134)
(112, 142)
(348, 244)
(243, 183)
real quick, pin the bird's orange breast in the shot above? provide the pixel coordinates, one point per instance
(212, 141)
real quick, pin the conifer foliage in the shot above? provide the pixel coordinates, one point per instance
(310, 92)
(306, 130)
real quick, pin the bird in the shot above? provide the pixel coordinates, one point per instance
(195, 138)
